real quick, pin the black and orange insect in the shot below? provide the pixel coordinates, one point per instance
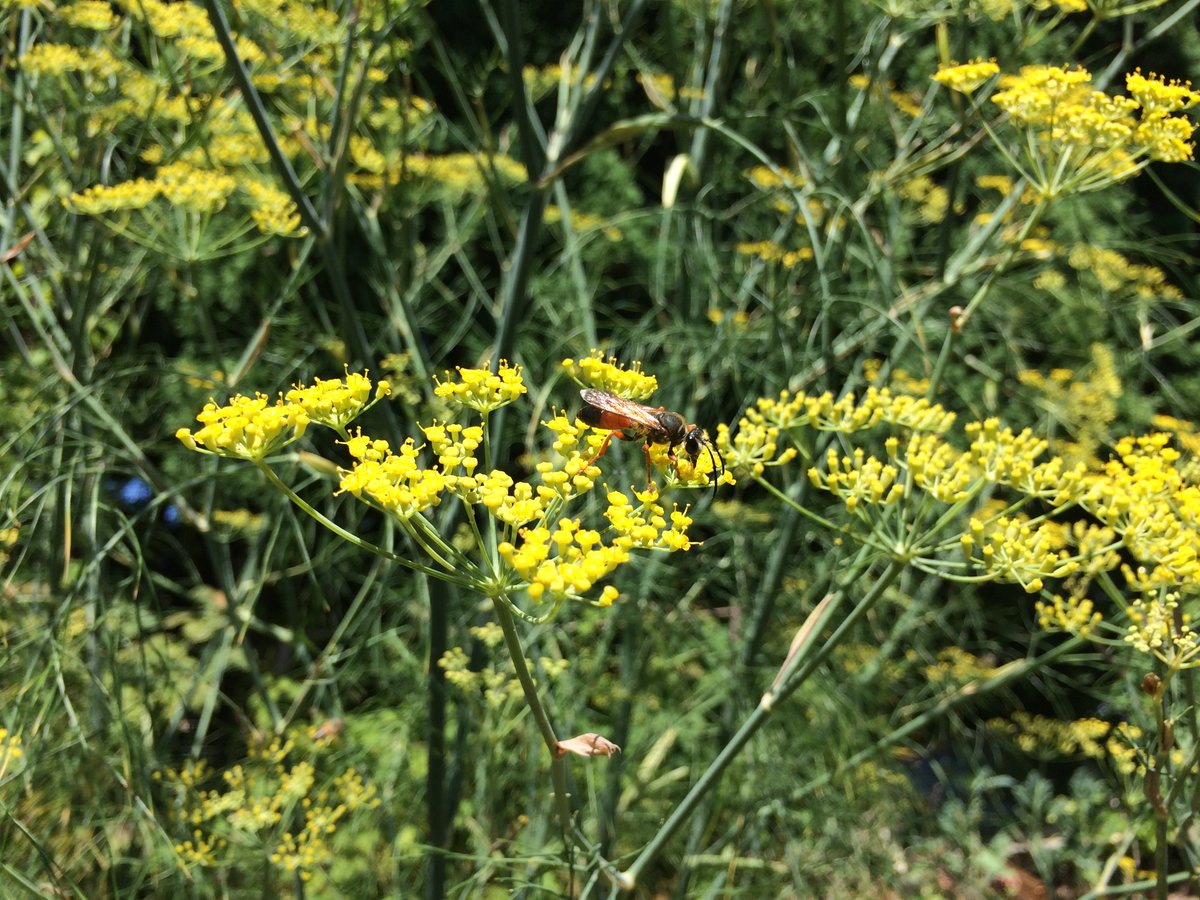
(628, 420)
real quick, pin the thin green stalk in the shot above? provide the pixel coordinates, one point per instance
(440, 818)
(558, 771)
(939, 369)
(258, 112)
(712, 83)
(53, 339)
(1153, 789)
(318, 665)
(794, 672)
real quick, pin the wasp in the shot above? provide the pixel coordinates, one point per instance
(630, 421)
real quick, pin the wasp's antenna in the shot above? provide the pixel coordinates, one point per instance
(714, 457)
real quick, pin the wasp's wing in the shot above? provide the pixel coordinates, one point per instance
(635, 412)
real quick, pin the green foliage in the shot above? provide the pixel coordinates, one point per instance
(744, 199)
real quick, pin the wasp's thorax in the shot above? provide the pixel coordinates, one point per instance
(673, 426)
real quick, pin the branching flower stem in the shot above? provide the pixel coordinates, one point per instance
(809, 514)
(350, 537)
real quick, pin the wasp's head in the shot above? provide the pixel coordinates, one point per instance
(695, 440)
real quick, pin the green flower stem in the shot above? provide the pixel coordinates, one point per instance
(350, 537)
(489, 542)
(1153, 789)
(1008, 674)
(526, 617)
(809, 514)
(939, 369)
(430, 539)
(258, 112)
(796, 669)
(558, 766)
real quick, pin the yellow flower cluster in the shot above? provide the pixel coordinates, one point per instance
(966, 77)
(940, 470)
(955, 665)
(498, 685)
(906, 103)
(54, 60)
(481, 389)
(1014, 550)
(458, 174)
(306, 41)
(586, 222)
(245, 428)
(104, 198)
(239, 521)
(1142, 501)
(8, 540)
(1086, 404)
(858, 479)
(765, 178)
(664, 86)
(769, 251)
(1003, 184)
(1043, 735)
(1160, 627)
(1122, 747)
(553, 562)
(1115, 272)
(596, 371)
(566, 562)
(394, 482)
(1073, 615)
(336, 402)
(454, 446)
(186, 186)
(933, 199)
(576, 445)
(1113, 134)
(10, 750)
(201, 850)
(257, 797)
(253, 428)
(272, 210)
(540, 81)
(1006, 458)
(645, 526)
(1143, 496)
(755, 445)
(848, 414)
(95, 15)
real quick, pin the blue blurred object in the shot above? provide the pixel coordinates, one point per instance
(135, 493)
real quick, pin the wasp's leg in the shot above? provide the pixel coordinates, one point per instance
(649, 479)
(603, 447)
